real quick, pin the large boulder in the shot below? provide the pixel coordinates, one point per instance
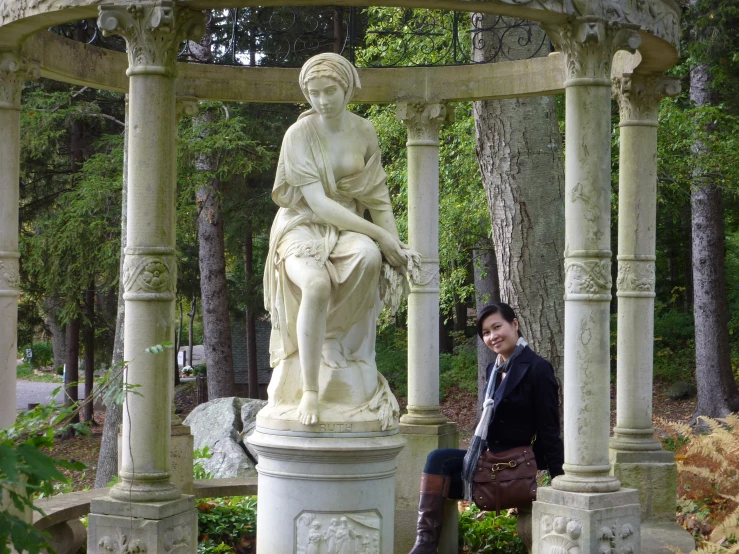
(220, 425)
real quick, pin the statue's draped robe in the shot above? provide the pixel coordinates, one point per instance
(352, 261)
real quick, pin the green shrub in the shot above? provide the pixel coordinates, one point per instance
(489, 532)
(459, 369)
(674, 346)
(43, 354)
(226, 521)
(392, 358)
(199, 370)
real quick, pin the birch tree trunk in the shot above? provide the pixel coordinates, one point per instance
(519, 150)
(717, 391)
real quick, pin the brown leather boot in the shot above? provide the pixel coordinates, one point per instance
(434, 492)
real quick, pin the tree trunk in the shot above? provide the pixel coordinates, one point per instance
(251, 320)
(108, 458)
(213, 290)
(58, 333)
(520, 155)
(72, 374)
(487, 290)
(717, 391)
(89, 338)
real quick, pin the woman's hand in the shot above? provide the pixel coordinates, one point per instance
(393, 250)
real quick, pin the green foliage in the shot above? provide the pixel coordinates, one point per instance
(392, 358)
(198, 467)
(226, 521)
(199, 370)
(460, 368)
(26, 472)
(43, 353)
(489, 532)
(674, 346)
(24, 372)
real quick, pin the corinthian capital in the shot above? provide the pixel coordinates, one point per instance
(588, 45)
(153, 33)
(13, 71)
(639, 96)
(423, 121)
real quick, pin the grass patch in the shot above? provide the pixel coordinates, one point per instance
(25, 373)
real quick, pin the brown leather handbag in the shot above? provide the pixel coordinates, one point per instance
(505, 480)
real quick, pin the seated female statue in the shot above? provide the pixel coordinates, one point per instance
(321, 279)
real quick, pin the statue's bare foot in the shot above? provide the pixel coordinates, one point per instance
(332, 355)
(308, 409)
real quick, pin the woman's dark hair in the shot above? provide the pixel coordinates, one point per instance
(502, 308)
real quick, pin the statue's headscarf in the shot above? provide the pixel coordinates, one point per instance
(334, 67)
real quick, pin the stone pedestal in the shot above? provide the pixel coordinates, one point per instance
(322, 487)
(586, 522)
(156, 526)
(420, 440)
(654, 475)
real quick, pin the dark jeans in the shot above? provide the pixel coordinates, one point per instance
(448, 462)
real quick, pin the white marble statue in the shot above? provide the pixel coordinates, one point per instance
(323, 273)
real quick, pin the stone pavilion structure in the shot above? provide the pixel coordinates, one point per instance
(614, 490)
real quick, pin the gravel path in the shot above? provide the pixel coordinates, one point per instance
(33, 392)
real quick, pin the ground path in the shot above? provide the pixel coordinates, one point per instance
(35, 392)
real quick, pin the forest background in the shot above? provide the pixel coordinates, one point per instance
(73, 194)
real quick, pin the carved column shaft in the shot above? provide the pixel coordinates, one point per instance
(423, 122)
(153, 33)
(13, 71)
(588, 45)
(638, 97)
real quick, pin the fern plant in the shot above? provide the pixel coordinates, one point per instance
(712, 460)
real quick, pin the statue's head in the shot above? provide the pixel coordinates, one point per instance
(330, 66)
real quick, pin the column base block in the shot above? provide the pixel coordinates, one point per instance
(420, 440)
(657, 536)
(654, 475)
(318, 491)
(116, 526)
(590, 522)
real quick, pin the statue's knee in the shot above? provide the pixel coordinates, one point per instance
(318, 289)
(372, 258)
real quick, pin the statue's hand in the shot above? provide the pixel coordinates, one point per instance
(393, 250)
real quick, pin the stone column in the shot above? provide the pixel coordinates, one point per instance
(638, 98)
(637, 457)
(153, 33)
(586, 501)
(13, 71)
(423, 427)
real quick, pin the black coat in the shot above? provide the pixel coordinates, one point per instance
(528, 405)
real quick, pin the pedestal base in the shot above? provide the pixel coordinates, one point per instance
(420, 440)
(590, 522)
(654, 475)
(116, 526)
(315, 492)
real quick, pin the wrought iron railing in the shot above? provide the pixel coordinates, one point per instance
(368, 37)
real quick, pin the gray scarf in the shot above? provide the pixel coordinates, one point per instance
(481, 432)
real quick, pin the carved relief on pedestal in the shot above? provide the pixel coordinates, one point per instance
(13, 71)
(589, 43)
(617, 539)
(153, 33)
(178, 539)
(635, 276)
(345, 533)
(9, 275)
(589, 277)
(423, 121)
(639, 96)
(560, 535)
(149, 274)
(121, 543)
